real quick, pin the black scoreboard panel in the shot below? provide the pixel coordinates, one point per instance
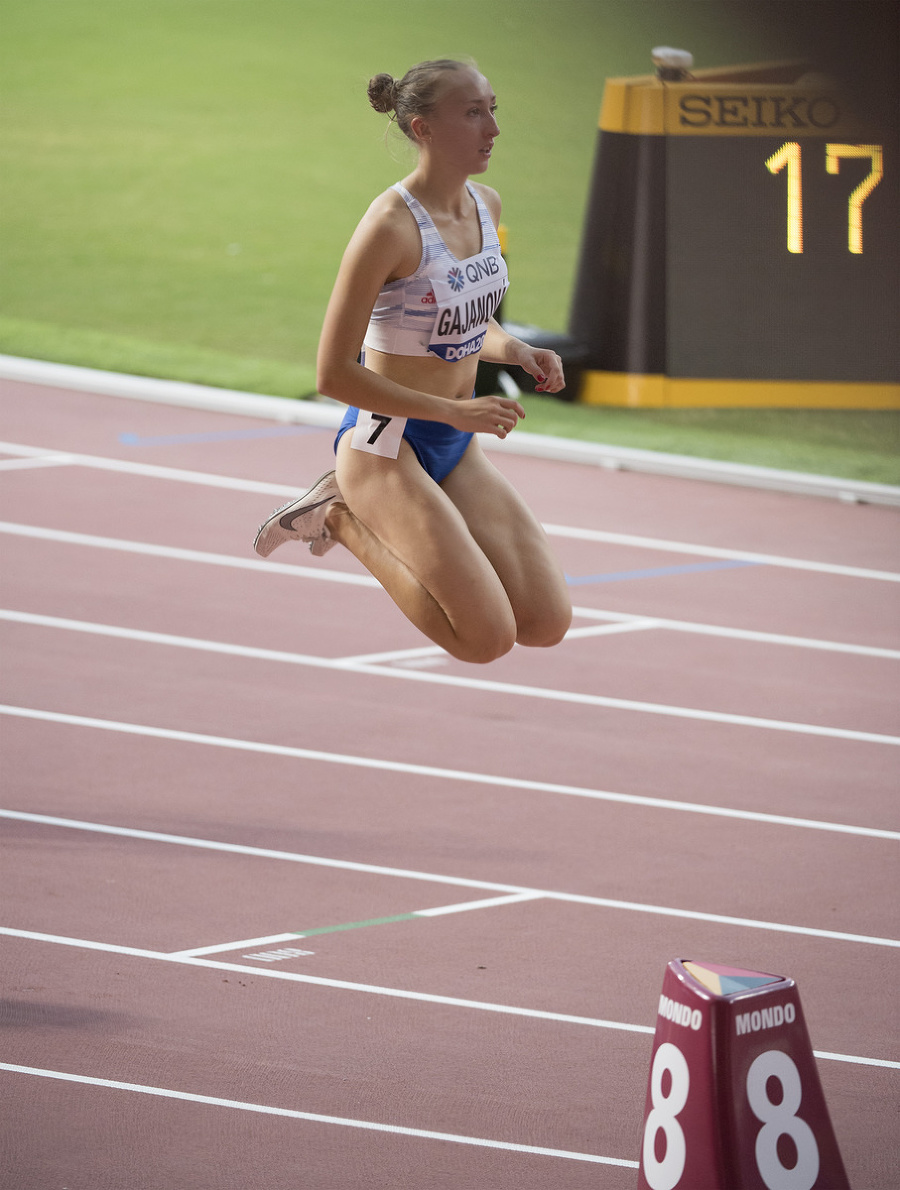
(744, 302)
(742, 247)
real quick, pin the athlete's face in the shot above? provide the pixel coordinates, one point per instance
(463, 126)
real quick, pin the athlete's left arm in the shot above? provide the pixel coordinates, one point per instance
(502, 348)
(544, 365)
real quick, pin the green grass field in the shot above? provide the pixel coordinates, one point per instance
(178, 179)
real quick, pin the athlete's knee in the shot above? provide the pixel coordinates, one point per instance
(547, 627)
(489, 642)
(482, 651)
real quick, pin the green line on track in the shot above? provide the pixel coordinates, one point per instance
(355, 925)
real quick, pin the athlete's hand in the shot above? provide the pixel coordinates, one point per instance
(485, 415)
(545, 366)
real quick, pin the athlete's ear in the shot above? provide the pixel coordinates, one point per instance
(418, 126)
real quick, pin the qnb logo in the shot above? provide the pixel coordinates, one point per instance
(456, 280)
(478, 270)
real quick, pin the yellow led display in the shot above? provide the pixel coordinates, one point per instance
(833, 155)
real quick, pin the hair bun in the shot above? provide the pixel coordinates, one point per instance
(382, 92)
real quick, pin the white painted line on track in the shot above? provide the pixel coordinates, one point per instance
(152, 471)
(745, 634)
(611, 629)
(425, 651)
(490, 903)
(375, 990)
(184, 555)
(324, 982)
(856, 1060)
(327, 414)
(663, 545)
(224, 947)
(315, 1118)
(463, 907)
(431, 771)
(507, 689)
(459, 882)
(31, 464)
(366, 580)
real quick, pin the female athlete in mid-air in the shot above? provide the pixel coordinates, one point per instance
(413, 496)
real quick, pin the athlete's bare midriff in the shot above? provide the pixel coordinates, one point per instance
(426, 374)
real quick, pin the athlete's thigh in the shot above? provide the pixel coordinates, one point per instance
(511, 537)
(417, 521)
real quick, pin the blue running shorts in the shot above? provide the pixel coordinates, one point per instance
(437, 446)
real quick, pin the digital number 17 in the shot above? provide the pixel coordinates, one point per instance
(789, 155)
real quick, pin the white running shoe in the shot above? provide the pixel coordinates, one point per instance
(301, 520)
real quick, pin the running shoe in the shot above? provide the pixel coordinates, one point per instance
(301, 520)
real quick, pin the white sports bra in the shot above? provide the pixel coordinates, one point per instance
(445, 306)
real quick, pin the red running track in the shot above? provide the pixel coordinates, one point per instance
(292, 899)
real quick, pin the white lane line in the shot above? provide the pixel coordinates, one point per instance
(396, 655)
(399, 656)
(598, 535)
(463, 907)
(184, 555)
(366, 580)
(490, 903)
(455, 881)
(664, 545)
(611, 629)
(856, 1060)
(417, 770)
(430, 662)
(747, 634)
(321, 981)
(327, 415)
(316, 1118)
(508, 689)
(375, 990)
(152, 471)
(224, 947)
(37, 462)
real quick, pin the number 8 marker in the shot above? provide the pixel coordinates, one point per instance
(666, 1174)
(780, 1119)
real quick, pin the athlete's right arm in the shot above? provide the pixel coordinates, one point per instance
(385, 246)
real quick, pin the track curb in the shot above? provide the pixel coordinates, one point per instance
(328, 415)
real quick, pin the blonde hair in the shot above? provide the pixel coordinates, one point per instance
(416, 94)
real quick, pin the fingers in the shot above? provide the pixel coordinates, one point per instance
(487, 415)
(546, 367)
(510, 414)
(550, 377)
(514, 406)
(549, 385)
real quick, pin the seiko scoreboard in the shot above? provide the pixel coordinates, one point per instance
(740, 246)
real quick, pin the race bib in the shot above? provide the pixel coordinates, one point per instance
(466, 295)
(378, 435)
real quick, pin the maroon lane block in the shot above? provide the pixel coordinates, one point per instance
(734, 1100)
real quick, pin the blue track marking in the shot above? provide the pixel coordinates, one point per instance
(657, 572)
(128, 439)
